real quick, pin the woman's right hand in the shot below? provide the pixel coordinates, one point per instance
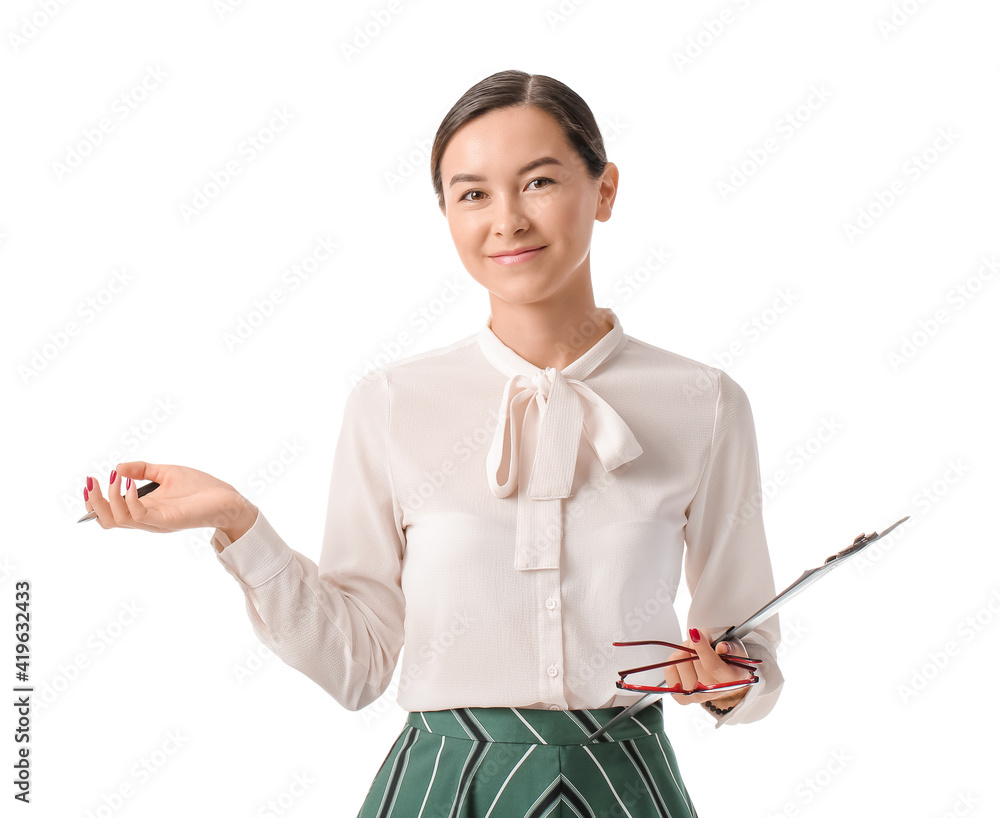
(185, 498)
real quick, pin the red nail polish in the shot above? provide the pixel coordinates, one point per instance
(85, 497)
(695, 636)
(128, 483)
(114, 473)
(90, 484)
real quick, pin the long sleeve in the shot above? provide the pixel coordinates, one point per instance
(339, 622)
(728, 568)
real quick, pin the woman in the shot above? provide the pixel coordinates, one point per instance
(509, 505)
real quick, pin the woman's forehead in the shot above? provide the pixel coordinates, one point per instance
(505, 140)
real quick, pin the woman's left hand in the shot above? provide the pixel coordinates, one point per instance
(708, 668)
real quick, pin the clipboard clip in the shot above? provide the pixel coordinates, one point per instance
(860, 542)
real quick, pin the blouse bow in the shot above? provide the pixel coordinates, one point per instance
(541, 424)
(561, 408)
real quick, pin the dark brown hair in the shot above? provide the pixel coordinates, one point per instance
(507, 89)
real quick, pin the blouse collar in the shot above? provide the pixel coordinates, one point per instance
(550, 411)
(510, 363)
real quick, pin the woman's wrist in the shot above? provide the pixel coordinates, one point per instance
(720, 705)
(731, 698)
(245, 517)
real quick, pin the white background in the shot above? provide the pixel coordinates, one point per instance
(876, 341)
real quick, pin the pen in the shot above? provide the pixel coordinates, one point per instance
(141, 492)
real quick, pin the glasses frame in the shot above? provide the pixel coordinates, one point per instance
(744, 662)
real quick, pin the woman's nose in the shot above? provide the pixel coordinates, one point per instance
(510, 218)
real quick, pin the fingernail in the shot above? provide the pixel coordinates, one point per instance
(90, 484)
(128, 483)
(114, 473)
(85, 497)
(695, 636)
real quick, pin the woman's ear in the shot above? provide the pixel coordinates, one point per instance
(607, 189)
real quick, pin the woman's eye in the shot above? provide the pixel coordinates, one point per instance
(540, 179)
(478, 195)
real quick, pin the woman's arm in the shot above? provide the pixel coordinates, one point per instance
(727, 564)
(340, 622)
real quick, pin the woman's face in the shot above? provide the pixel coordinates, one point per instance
(511, 182)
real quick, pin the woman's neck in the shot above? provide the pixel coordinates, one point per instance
(549, 337)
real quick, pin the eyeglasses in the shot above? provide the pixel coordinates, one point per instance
(738, 661)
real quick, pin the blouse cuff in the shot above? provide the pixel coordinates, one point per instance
(761, 696)
(256, 557)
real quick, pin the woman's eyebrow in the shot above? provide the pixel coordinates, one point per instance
(471, 177)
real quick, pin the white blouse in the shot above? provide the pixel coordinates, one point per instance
(502, 525)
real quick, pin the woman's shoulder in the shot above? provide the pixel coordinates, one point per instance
(694, 377)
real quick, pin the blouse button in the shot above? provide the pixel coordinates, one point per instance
(553, 707)
(550, 603)
(553, 670)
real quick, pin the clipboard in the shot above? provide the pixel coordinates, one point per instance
(807, 578)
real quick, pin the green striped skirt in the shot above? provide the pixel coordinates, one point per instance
(507, 762)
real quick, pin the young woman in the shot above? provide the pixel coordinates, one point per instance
(503, 508)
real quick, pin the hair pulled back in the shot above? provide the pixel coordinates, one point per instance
(508, 89)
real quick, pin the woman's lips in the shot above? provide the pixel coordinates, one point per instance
(528, 255)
